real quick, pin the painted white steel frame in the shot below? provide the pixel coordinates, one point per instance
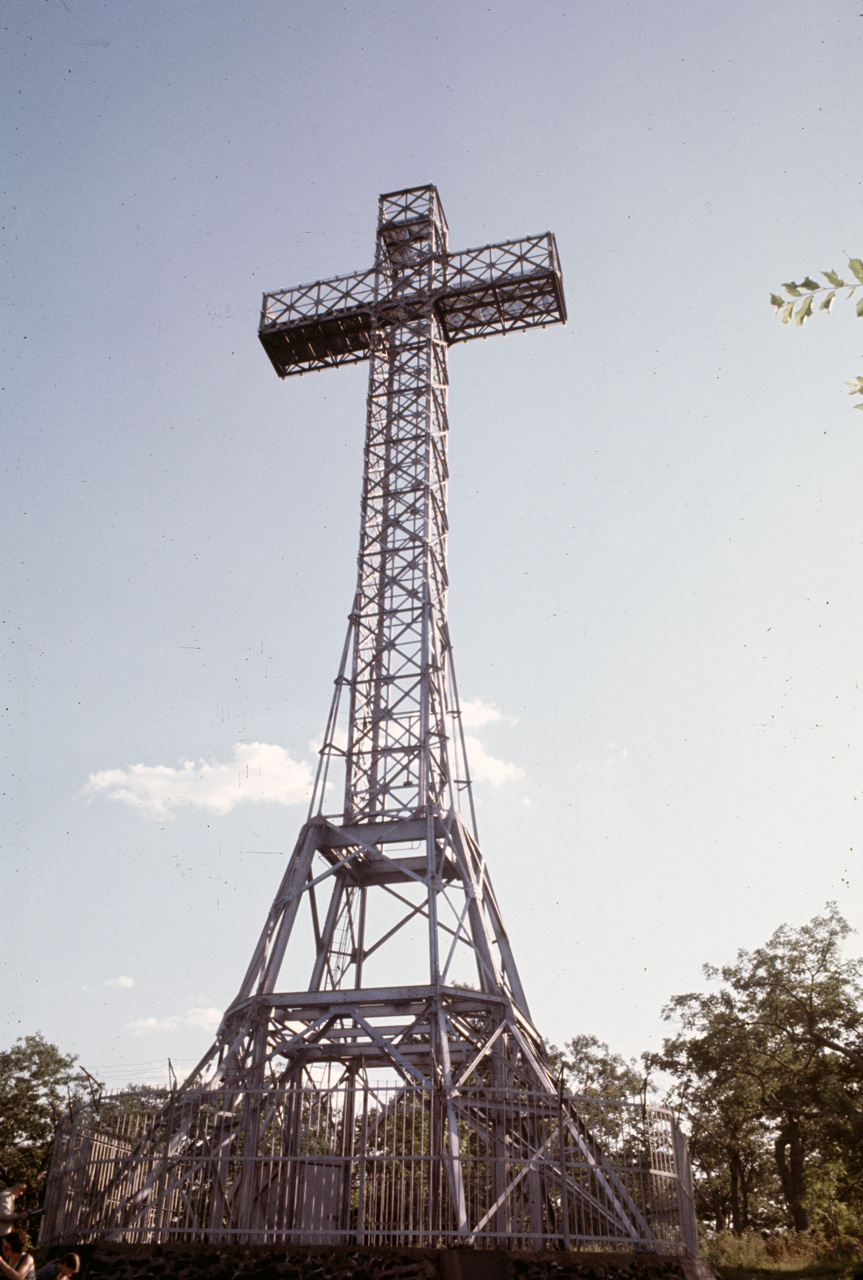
(403, 850)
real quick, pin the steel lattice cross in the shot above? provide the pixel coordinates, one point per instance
(402, 314)
(395, 722)
(404, 998)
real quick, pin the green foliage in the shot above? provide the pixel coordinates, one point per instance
(751, 1255)
(785, 307)
(768, 1069)
(735, 1176)
(590, 1068)
(36, 1084)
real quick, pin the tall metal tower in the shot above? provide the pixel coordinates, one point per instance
(402, 850)
(378, 1077)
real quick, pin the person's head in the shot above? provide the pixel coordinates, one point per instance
(68, 1264)
(18, 1189)
(16, 1241)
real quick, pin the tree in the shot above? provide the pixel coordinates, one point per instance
(805, 999)
(37, 1082)
(807, 289)
(589, 1067)
(720, 1100)
(770, 1064)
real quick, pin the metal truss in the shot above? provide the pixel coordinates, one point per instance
(384, 963)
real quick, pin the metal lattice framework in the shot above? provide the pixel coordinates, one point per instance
(400, 975)
(403, 852)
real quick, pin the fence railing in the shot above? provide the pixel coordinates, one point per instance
(374, 1165)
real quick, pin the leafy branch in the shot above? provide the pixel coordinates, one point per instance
(807, 290)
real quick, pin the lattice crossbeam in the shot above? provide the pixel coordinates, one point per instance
(497, 288)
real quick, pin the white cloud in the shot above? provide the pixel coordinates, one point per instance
(476, 712)
(486, 768)
(122, 981)
(258, 771)
(340, 741)
(205, 1019)
(142, 1025)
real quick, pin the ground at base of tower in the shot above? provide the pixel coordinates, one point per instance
(346, 1262)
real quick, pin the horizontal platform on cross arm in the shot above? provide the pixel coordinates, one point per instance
(498, 288)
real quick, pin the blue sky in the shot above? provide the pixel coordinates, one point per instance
(656, 597)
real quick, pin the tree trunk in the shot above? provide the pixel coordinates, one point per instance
(791, 1171)
(744, 1199)
(734, 1170)
(718, 1212)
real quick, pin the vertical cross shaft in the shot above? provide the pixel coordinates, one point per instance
(397, 763)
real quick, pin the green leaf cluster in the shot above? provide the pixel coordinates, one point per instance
(790, 308)
(589, 1067)
(768, 1074)
(37, 1083)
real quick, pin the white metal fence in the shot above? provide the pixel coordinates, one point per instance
(374, 1165)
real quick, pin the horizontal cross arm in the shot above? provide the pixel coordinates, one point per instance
(316, 326)
(502, 288)
(498, 288)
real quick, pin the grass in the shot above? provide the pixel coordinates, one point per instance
(789, 1256)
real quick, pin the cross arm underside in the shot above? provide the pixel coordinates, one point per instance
(498, 288)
